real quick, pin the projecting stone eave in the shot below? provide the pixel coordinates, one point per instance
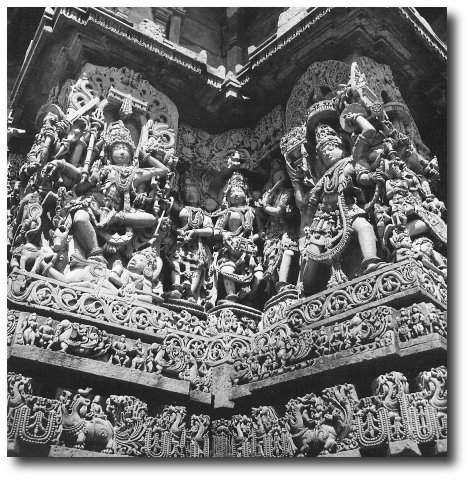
(69, 37)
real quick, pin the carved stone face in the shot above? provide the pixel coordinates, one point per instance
(279, 175)
(190, 195)
(120, 154)
(426, 248)
(330, 153)
(236, 197)
(137, 263)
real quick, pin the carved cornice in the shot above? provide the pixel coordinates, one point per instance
(385, 285)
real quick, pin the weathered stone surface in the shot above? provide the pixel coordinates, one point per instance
(403, 448)
(57, 451)
(215, 243)
(99, 370)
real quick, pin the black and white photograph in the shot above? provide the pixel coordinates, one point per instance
(227, 233)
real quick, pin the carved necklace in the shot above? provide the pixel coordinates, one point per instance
(125, 177)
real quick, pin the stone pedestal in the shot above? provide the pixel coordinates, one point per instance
(275, 308)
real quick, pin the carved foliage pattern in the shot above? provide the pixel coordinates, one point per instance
(403, 276)
(207, 151)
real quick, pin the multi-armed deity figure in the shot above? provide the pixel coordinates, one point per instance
(190, 256)
(237, 261)
(281, 231)
(331, 209)
(111, 195)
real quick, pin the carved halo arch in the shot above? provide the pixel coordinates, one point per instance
(329, 74)
(96, 81)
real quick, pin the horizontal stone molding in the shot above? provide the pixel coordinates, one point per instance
(387, 286)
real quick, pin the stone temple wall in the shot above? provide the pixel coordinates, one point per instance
(272, 290)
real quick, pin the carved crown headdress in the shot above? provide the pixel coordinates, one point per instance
(118, 132)
(324, 134)
(236, 180)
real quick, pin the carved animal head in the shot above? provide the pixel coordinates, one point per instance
(433, 384)
(388, 387)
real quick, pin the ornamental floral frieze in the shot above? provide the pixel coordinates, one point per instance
(245, 146)
(385, 285)
(26, 288)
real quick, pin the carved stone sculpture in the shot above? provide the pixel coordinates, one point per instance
(280, 235)
(236, 262)
(83, 428)
(190, 256)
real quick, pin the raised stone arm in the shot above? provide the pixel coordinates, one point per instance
(63, 168)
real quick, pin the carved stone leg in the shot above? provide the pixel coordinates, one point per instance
(84, 232)
(366, 237)
(310, 270)
(196, 283)
(230, 289)
(285, 266)
(137, 219)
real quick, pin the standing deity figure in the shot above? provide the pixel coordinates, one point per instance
(334, 211)
(111, 195)
(237, 261)
(190, 256)
(280, 234)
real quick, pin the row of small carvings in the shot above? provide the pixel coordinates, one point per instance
(335, 421)
(180, 355)
(25, 287)
(79, 421)
(285, 347)
(275, 351)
